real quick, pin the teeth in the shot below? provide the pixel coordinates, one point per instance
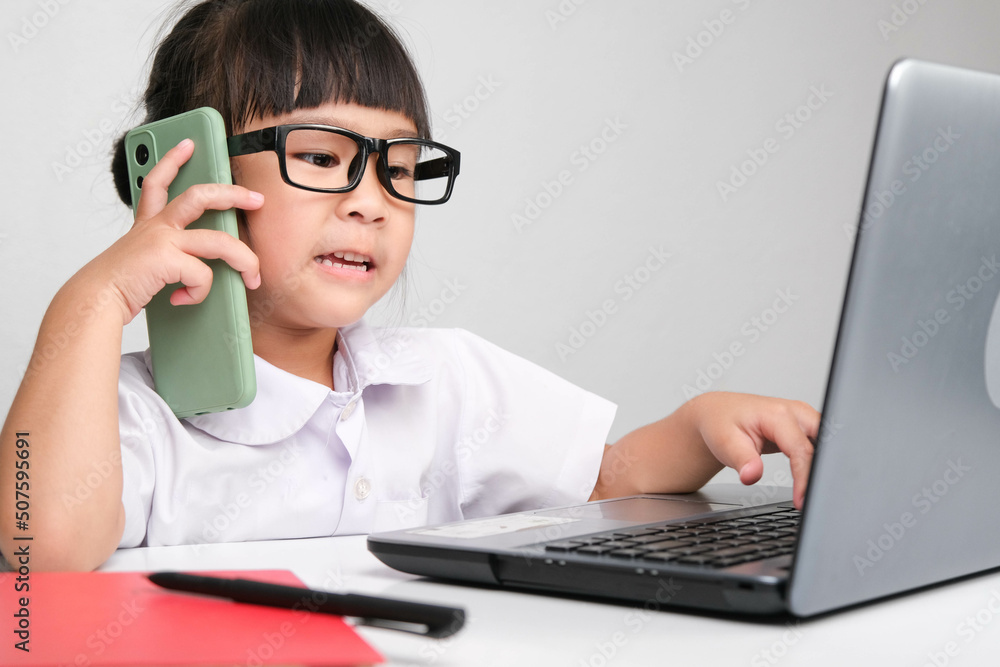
(351, 256)
(338, 265)
(347, 256)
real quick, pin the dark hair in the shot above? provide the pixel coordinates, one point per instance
(248, 58)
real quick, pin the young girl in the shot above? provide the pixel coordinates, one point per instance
(353, 429)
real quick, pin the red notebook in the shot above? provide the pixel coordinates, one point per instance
(121, 618)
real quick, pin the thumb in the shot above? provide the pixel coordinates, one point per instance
(739, 452)
(752, 469)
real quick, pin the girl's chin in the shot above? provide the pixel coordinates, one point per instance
(331, 311)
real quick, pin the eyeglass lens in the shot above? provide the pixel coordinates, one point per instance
(327, 160)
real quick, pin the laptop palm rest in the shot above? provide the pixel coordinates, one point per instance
(468, 549)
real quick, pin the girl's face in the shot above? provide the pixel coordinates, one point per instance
(298, 234)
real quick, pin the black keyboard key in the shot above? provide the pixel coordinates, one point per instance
(618, 544)
(691, 551)
(724, 543)
(738, 532)
(663, 545)
(637, 532)
(595, 549)
(627, 553)
(662, 556)
(736, 551)
(647, 539)
(770, 534)
(694, 560)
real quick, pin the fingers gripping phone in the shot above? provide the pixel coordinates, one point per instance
(201, 354)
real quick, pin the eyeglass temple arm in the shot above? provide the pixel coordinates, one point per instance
(438, 168)
(252, 142)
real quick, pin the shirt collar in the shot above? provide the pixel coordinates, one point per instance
(285, 402)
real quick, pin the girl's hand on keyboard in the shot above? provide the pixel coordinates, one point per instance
(738, 428)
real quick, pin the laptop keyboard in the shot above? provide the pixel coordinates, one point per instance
(711, 543)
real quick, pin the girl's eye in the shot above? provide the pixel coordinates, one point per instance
(399, 173)
(321, 160)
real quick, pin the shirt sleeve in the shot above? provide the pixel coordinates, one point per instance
(141, 420)
(528, 438)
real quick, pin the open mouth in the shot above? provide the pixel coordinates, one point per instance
(345, 260)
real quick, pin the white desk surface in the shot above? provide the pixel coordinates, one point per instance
(508, 628)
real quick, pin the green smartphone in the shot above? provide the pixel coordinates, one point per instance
(202, 354)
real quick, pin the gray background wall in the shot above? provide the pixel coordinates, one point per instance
(522, 88)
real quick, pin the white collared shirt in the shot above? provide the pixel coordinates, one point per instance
(425, 426)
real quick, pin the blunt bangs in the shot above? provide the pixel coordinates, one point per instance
(294, 55)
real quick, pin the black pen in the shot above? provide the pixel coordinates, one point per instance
(422, 619)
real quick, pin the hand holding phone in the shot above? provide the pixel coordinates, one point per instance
(201, 354)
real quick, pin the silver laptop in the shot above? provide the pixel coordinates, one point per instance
(903, 491)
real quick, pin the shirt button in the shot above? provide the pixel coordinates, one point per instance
(347, 411)
(362, 488)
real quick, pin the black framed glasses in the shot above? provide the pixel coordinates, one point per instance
(323, 158)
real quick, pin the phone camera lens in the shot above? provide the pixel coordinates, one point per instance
(142, 154)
